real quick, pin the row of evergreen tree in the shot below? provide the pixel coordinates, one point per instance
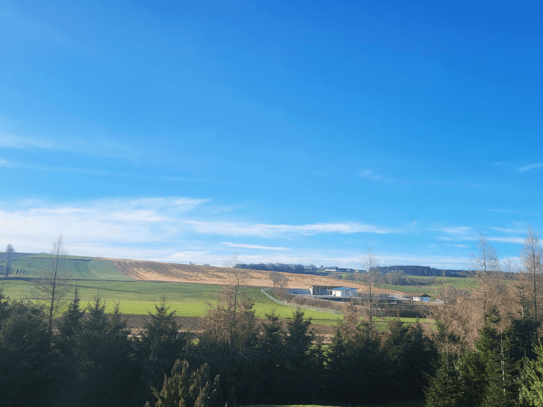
(92, 358)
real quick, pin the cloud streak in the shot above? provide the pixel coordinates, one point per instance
(254, 246)
(529, 167)
(372, 175)
(6, 164)
(269, 231)
(145, 222)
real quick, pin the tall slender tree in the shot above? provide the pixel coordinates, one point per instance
(371, 263)
(531, 255)
(51, 286)
(486, 266)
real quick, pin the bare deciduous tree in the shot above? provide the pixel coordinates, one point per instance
(9, 254)
(485, 265)
(232, 320)
(371, 263)
(531, 257)
(51, 284)
(279, 280)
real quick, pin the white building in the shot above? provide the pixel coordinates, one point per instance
(423, 298)
(343, 292)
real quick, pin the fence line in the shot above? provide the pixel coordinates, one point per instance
(289, 304)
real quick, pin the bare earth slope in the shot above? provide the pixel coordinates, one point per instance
(185, 273)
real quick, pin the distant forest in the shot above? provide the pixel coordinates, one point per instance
(422, 271)
(312, 269)
(286, 268)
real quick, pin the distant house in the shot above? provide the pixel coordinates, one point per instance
(319, 290)
(343, 292)
(423, 298)
(332, 291)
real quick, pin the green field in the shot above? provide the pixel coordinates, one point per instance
(139, 297)
(100, 277)
(84, 268)
(456, 282)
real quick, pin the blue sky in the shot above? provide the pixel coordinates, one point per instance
(287, 131)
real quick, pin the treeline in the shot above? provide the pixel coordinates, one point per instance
(285, 268)
(422, 271)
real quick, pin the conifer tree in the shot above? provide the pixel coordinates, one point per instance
(532, 379)
(500, 387)
(160, 344)
(446, 387)
(188, 390)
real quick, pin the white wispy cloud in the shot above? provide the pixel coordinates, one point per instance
(372, 175)
(9, 140)
(467, 233)
(87, 145)
(463, 246)
(458, 233)
(119, 221)
(529, 167)
(505, 239)
(254, 246)
(508, 230)
(265, 230)
(94, 226)
(6, 164)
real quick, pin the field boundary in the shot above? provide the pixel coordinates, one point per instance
(289, 304)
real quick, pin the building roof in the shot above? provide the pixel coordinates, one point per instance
(344, 288)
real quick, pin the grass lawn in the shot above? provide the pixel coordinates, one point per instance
(139, 297)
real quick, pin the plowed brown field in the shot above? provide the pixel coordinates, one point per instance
(185, 273)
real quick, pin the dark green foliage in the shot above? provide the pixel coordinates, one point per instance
(188, 389)
(28, 364)
(532, 380)
(500, 371)
(108, 358)
(159, 347)
(485, 378)
(522, 335)
(446, 388)
(357, 366)
(410, 354)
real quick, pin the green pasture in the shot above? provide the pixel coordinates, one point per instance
(139, 297)
(456, 282)
(188, 300)
(84, 268)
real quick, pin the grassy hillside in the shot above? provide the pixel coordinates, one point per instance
(456, 282)
(139, 297)
(85, 268)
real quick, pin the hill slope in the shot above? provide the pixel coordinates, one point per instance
(185, 273)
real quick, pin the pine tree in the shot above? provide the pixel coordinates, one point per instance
(532, 379)
(446, 388)
(301, 359)
(108, 373)
(188, 390)
(160, 344)
(500, 371)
